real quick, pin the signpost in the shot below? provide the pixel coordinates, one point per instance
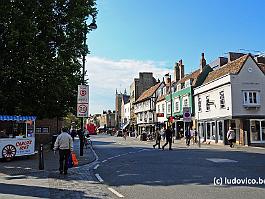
(82, 101)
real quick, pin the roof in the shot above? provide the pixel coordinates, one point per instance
(16, 118)
(262, 67)
(194, 75)
(161, 98)
(230, 68)
(148, 93)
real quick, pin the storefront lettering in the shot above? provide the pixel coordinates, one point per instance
(22, 145)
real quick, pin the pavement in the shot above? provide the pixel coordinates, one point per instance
(21, 178)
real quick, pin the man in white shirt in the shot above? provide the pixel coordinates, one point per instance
(64, 143)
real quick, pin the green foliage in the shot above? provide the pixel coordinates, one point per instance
(41, 46)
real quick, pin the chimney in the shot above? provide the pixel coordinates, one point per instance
(260, 59)
(167, 79)
(176, 72)
(203, 62)
(233, 56)
(181, 69)
(223, 61)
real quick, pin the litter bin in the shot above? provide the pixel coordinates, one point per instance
(54, 137)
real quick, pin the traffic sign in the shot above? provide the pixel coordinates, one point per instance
(186, 114)
(82, 110)
(82, 96)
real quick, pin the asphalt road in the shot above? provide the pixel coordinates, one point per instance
(133, 169)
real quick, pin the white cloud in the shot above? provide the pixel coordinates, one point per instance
(105, 75)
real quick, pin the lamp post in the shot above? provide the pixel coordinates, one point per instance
(91, 26)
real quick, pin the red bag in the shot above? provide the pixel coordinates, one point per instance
(74, 159)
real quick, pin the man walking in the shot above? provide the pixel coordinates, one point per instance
(188, 136)
(231, 136)
(169, 134)
(64, 143)
(158, 139)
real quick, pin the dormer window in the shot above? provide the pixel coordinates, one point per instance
(187, 83)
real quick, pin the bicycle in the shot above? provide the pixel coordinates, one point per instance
(87, 142)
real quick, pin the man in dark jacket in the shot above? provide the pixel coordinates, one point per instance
(188, 136)
(169, 134)
(158, 138)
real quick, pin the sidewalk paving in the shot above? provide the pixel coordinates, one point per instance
(21, 178)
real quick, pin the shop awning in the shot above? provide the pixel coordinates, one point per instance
(17, 118)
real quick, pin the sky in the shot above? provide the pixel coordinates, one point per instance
(151, 35)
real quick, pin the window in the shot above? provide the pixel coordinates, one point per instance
(42, 130)
(222, 99)
(179, 87)
(185, 102)
(177, 106)
(158, 108)
(163, 108)
(187, 83)
(169, 108)
(141, 116)
(251, 98)
(199, 104)
(207, 103)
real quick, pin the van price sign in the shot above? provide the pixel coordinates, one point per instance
(82, 101)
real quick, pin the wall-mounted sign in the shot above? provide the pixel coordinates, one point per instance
(186, 114)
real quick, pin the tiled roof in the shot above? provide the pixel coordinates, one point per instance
(194, 75)
(148, 93)
(262, 67)
(230, 68)
(161, 98)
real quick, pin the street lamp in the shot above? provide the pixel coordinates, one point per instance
(91, 26)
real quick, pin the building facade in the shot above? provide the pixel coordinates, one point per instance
(138, 86)
(232, 96)
(145, 109)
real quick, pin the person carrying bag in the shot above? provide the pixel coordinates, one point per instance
(64, 143)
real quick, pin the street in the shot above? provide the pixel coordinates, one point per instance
(133, 169)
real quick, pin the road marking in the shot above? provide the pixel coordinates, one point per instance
(96, 166)
(99, 178)
(220, 160)
(115, 192)
(104, 160)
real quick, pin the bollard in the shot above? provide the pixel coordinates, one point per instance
(41, 159)
(199, 140)
(81, 144)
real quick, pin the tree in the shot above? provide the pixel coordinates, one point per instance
(41, 50)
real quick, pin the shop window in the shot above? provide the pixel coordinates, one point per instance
(263, 130)
(255, 130)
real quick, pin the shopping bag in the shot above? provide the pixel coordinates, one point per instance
(74, 159)
(70, 162)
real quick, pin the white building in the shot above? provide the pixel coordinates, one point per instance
(232, 95)
(145, 109)
(125, 111)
